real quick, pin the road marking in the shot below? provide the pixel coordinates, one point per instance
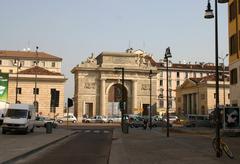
(106, 131)
(96, 131)
(87, 131)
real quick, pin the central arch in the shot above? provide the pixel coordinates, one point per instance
(114, 97)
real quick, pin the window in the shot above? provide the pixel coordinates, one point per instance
(0, 62)
(161, 73)
(232, 11)
(169, 74)
(10, 71)
(186, 75)
(36, 105)
(194, 74)
(233, 45)
(161, 103)
(170, 103)
(178, 74)
(170, 83)
(233, 76)
(161, 82)
(36, 91)
(178, 82)
(214, 95)
(43, 63)
(53, 64)
(19, 90)
(229, 96)
(201, 74)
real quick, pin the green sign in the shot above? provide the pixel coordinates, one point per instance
(3, 86)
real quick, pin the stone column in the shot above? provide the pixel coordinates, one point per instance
(102, 97)
(134, 94)
(188, 103)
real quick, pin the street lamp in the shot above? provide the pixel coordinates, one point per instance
(167, 55)
(209, 15)
(18, 64)
(35, 88)
(122, 104)
(150, 105)
(223, 76)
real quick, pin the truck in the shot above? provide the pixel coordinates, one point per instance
(19, 118)
(3, 108)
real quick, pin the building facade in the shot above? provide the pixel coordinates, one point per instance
(98, 84)
(28, 70)
(196, 96)
(234, 58)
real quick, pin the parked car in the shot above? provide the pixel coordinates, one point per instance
(199, 121)
(69, 118)
(135, 121)
(41, 121)
(172, 119)
(96, 119)
(114, 119)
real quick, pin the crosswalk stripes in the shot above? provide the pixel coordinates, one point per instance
(96, 131)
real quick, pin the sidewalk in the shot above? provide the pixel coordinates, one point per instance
(14, 146)
(184, 146)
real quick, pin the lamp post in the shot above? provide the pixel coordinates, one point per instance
(35, 88)
(150, 105)
(223, 76)
(18, 64)
(209, 15)
(167, 55)
(122, 96)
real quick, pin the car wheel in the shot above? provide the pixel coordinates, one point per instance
(60, 121)
(74, 121)
(87, 122)
(110, 121)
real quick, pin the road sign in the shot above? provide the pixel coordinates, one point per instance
(231, 118)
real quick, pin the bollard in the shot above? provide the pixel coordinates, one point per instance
(48, 127)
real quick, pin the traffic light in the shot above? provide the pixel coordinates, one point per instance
(121, 105)
(54, 98)
(70, 102)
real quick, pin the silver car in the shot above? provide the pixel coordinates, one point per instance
(114, 119)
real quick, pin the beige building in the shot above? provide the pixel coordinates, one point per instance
(234, 53)
(98, 84)
(197, 95)
(24, 75)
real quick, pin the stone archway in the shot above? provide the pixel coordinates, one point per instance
(114, 97)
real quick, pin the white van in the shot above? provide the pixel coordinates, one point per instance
(19, 117)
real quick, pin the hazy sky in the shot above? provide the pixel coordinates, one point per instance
(73, 29)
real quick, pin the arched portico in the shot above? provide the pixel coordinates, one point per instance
(114, 97)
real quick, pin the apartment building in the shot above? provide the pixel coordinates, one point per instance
(234, 58)
(31, 78)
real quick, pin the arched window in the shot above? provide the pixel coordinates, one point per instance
(35, 103)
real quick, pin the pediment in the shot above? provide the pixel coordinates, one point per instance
(188, 84)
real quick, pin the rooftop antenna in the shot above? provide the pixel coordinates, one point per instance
(144, 45)
(129, 44)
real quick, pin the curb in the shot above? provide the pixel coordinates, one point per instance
(189, 131)
(24, 155)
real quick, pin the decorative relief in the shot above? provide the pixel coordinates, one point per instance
(145, 87)
(121, 60)
(89, 85)
(141, 61)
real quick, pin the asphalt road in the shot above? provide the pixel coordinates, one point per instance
(91, 146)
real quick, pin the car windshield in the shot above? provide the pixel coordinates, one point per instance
(14, 113)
